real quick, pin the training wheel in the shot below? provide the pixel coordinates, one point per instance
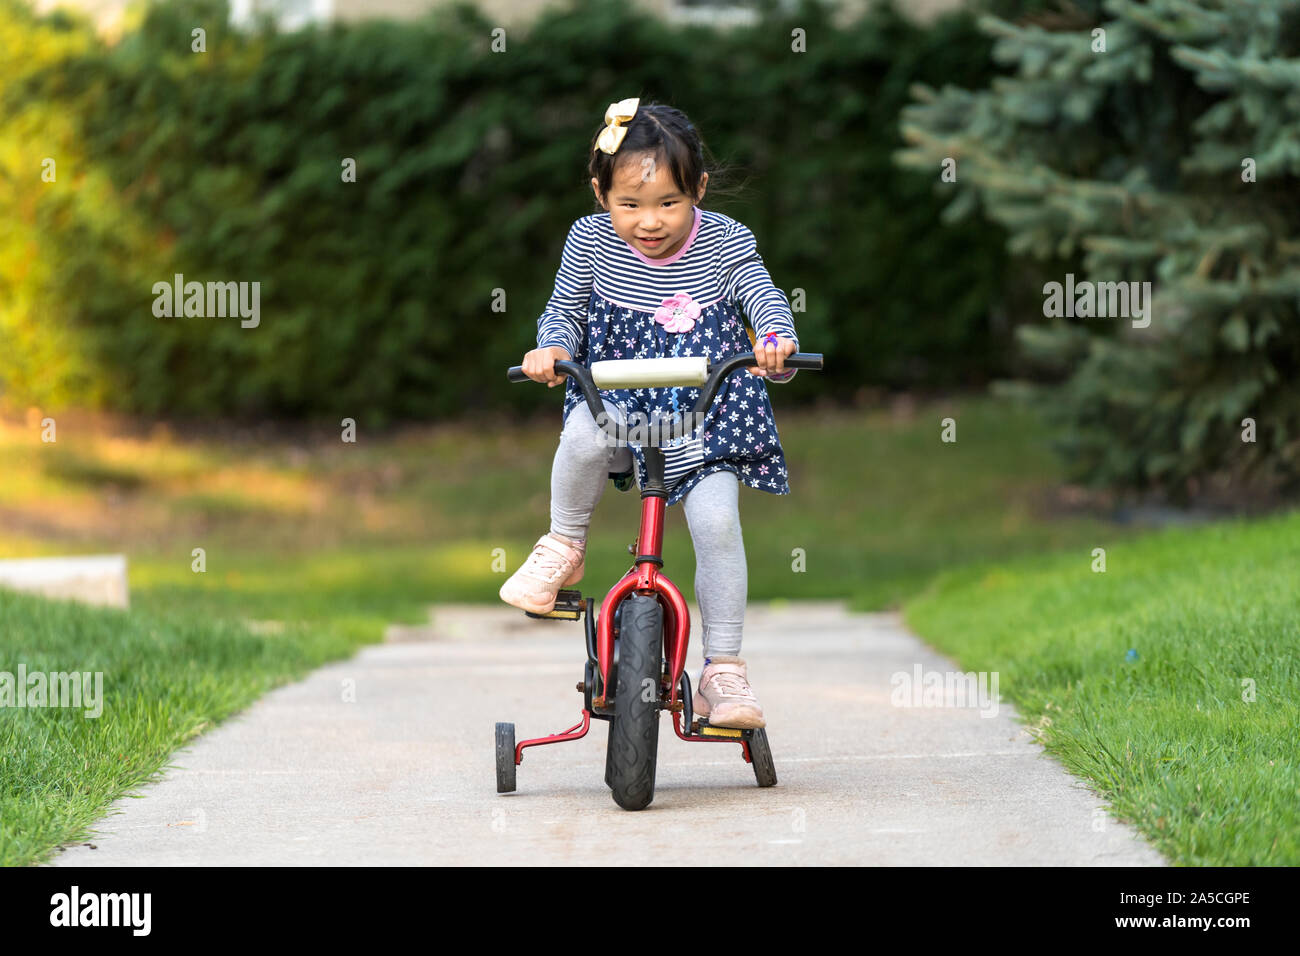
(505, 758)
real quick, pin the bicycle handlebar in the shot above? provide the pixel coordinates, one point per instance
(709, 388)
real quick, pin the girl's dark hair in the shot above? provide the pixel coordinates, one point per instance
(670, 137)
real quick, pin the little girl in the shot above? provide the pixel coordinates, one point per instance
(654, 276)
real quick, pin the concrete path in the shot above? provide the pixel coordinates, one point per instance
(403, 772)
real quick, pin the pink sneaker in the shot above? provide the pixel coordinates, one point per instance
(556, 562)
(724, 695)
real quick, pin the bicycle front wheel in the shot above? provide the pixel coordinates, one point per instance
(634, 732)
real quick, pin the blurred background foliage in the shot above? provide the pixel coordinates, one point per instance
(376, 295)
(1171, 156)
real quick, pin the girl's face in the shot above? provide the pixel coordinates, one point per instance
(645, 204)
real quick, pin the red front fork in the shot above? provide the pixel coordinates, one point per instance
(645, 578)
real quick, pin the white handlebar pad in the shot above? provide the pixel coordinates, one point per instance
(650, 372)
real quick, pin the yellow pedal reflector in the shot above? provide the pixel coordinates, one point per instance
(564, 615)
(708, 731)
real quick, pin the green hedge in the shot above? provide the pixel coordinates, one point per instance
(376, 296)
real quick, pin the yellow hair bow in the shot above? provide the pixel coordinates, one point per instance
(611, 137)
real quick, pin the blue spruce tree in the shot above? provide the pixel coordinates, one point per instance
(1147, 142)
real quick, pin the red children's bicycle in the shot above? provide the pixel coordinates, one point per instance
(636, 646)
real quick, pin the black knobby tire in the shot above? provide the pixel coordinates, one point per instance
(609, 756)
(505, 758)
(613, 682)
(760, 755)
(634, 732)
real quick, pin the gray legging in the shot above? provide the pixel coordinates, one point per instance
(578, 478)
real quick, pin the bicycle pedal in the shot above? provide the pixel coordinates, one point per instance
(569, 606)
(707, 730)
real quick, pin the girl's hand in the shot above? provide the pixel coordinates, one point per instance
(771, 352)
(539, 364)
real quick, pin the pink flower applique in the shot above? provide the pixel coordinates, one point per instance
(678, 313)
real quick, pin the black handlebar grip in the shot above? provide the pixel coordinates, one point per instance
(812, 360)
(516, 372)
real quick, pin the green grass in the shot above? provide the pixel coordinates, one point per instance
(1167, 737)
(165, 679)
